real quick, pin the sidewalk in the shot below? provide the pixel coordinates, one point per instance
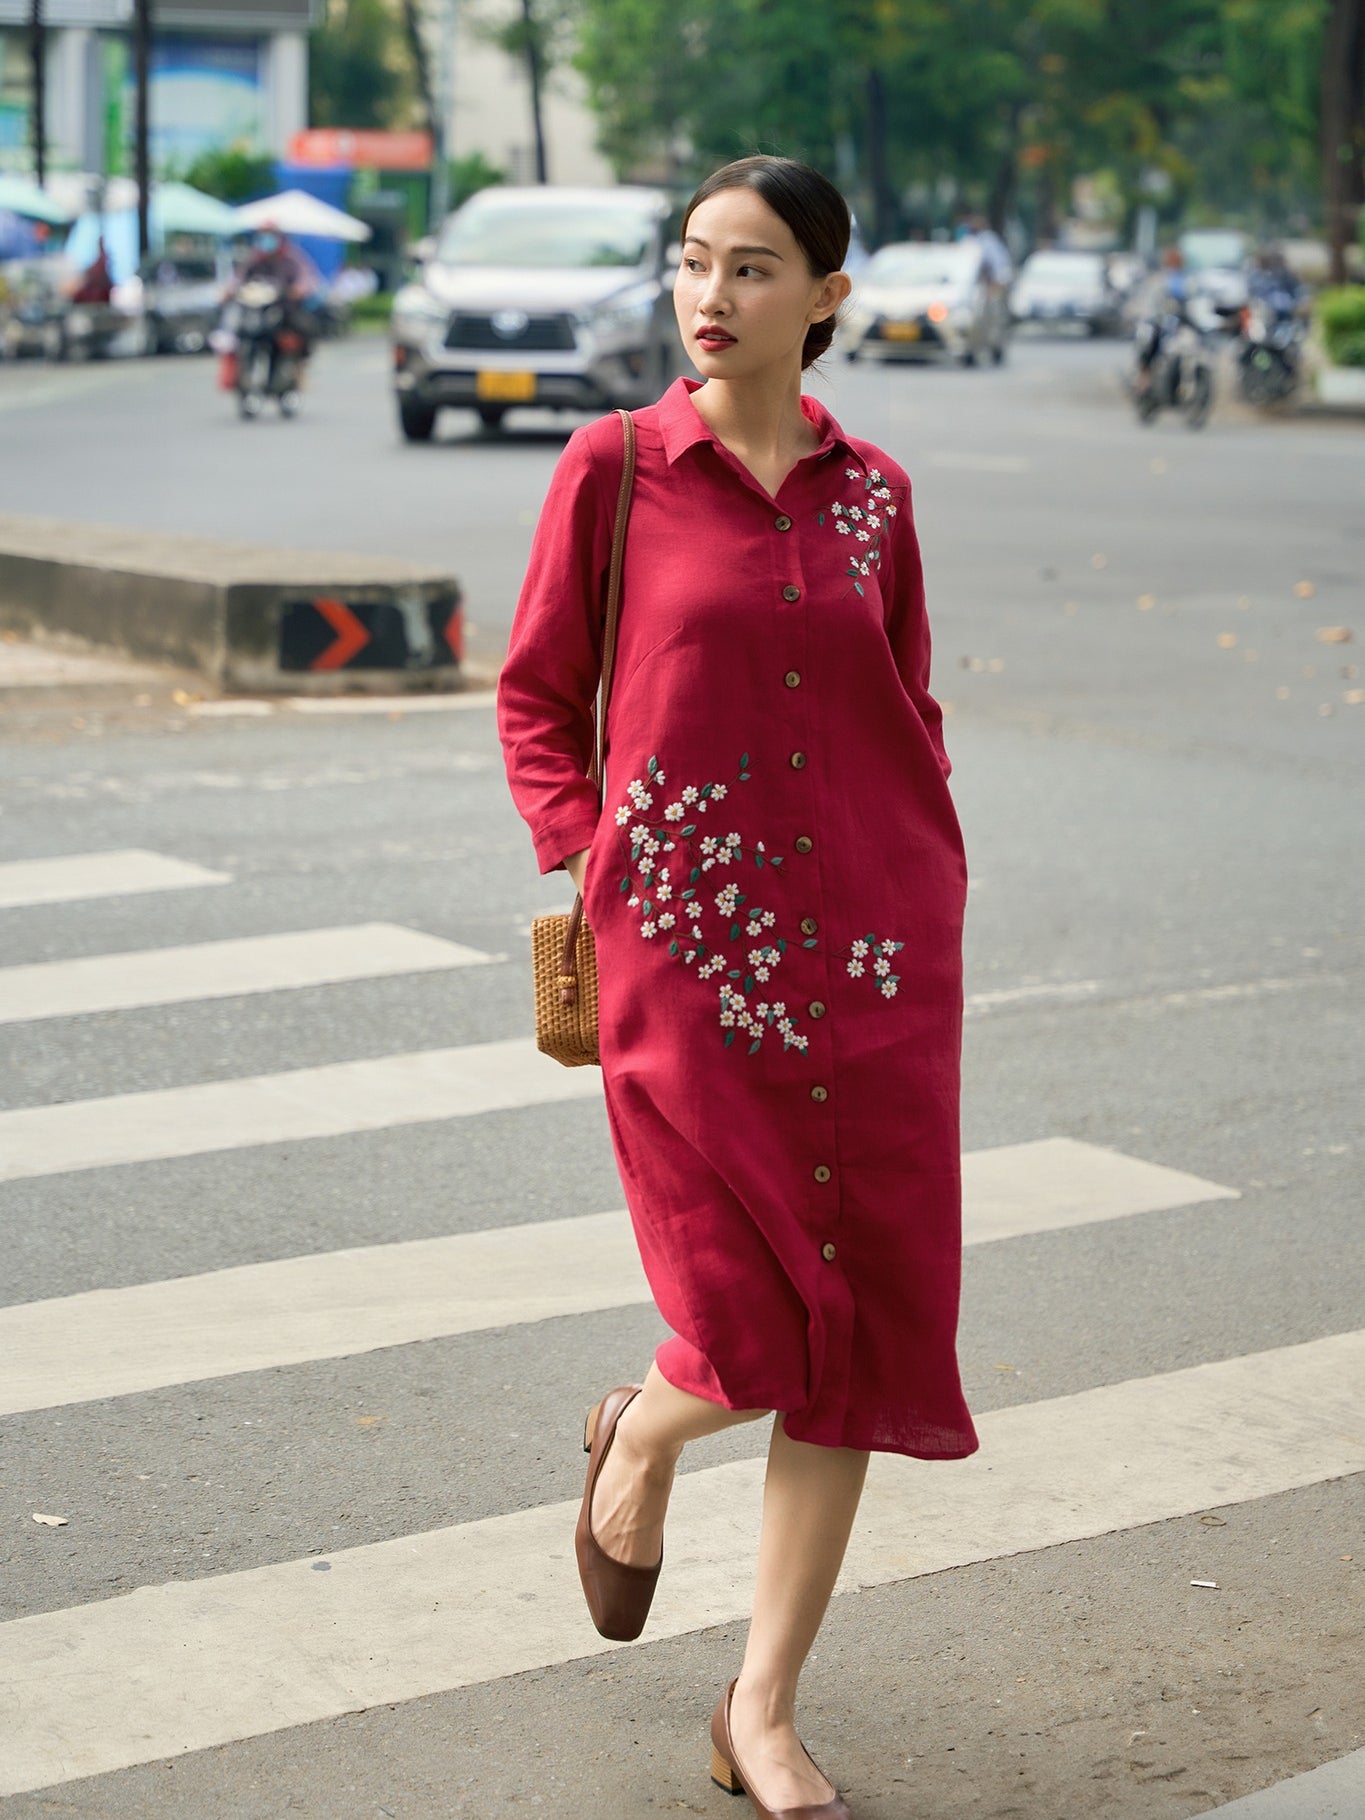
(1335, 1791)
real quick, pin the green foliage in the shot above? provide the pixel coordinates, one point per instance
(470, 173)
(1000, 103)
(360, 68)
(1341, 318)
(232, 175)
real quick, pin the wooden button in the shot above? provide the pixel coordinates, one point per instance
(791, 591)
(809, 925)
(828, 1253)
(819, 1093)
(803, 843)
(782, 523)
(792, 679)
(817, 1007)
(822, 1172)
(798, 761)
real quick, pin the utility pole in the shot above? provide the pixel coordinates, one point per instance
(448, 21)
(37, 38)
(142, 56)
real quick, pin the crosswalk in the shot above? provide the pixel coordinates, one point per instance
(184, 1665)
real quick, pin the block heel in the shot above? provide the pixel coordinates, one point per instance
(723, 1775)
(726, 1774)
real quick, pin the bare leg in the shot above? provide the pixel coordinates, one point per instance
(810, 1498)
(631, 1498)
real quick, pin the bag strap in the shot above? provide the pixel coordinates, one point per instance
(568, 966)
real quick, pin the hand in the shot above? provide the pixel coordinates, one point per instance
(576, 865)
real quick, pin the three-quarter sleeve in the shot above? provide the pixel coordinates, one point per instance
(907, 623)
(554, 660)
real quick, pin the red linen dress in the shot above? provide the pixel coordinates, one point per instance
(776, 887)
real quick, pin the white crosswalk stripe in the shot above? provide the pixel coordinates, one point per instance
(410, 1089)
(80, 875)
(223, 969)
(110, 1342)
(184, 1666)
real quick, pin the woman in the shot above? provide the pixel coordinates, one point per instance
(776, 884)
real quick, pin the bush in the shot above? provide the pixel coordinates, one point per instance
(232, 174)
(1341, 316)
(377, 308)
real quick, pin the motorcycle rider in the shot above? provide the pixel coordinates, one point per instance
(274, 260)
(1273, 283)
(96, 283)
(1168, 312)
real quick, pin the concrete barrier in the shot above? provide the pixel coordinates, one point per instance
(245, 617)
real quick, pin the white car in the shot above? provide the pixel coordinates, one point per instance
(926, 300)
(1057, 290)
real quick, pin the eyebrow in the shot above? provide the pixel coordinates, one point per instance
(697, 239)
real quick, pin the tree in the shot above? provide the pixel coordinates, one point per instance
(1343, 126)
(359, 69)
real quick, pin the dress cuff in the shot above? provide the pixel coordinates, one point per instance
(554, 843)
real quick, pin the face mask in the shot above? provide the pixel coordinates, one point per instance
(269, 243)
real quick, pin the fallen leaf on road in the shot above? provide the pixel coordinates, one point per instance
(1305, 590)
(1282, 694)
(1354, 697)
(1146, 602)
(1226, 640)
(52, 1522)
(1334, 635)
(1212, 1521)
(1099, 562)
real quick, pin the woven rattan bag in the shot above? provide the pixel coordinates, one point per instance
(563, 953)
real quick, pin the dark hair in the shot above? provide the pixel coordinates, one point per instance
(811, 207)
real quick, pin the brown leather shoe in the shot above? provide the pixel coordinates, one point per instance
(619, 1596)
(728, 1773)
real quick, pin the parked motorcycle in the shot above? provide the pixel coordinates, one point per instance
(1268, 360)
(269, 352)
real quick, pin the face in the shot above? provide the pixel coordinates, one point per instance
(744, 294)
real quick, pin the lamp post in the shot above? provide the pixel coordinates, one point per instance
(447, 25)
(37, 38)
(142, 52)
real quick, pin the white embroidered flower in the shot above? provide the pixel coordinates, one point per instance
(658, 778)
(633, 901)
(726, 854)
(891, 511)
(647, 929)
(753, 928)
(784, 1024)
(757, 956)
(696, 932)
(767, 918)
(853, 473)
(873, 522)
(718, 793)
(843, 528)
(864, 537)
(860, 949)
(707, 864)
(855, 969)
(855, 512)
(779, 1009)
(801, 1042)
(663, 891)
(733, 840)
(763, 974)
(673, 813)
(836, 508)
(882, 493)
(651, 847)
(727, 1018)
(670, 846)
(622, 816)
(639, 832)
(881, 967)
(667, 920)
(760, 1011)
(727, 899)
(689, 957)
(690, 793)
(889, 988)
(874, 475)
(709, 843)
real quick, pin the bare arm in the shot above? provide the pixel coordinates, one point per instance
(576, 864)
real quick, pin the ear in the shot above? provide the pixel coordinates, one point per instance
(833, 291)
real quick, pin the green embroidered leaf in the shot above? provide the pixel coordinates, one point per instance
(781, 944)
(691, 828)
(690, 892)
(858, 588)
(776, 859)
(694, 875)
(755, 1044)
(744, 776)
(733, 974)
(729, 1038)
(648, 908)
(819, 518)
(748, 982)
(758, 859)
(809, 944)
(706, 789)
(744, 761)
(672, 947)
(653, 766)
(625, 884)
(635, 850)
(734, 932)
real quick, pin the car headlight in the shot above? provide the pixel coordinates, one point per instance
(626, 313)
(416, 313)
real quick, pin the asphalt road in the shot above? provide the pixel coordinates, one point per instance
(1159, 770)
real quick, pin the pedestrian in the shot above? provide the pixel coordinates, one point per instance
(775, 881)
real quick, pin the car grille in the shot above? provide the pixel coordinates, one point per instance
(928, 336)
(539, 333)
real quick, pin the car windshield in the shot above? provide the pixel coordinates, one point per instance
(1205, 252)
(1058, 267)
(923, 263)
(552, 235)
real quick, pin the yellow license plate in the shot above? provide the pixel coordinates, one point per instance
(901, 331)
(507, 388)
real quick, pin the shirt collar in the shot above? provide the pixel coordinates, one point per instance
(682, 424)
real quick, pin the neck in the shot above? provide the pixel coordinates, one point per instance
(760, 412)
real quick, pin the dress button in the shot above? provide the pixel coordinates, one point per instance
(828, 1253)
(809, 925)
(817, 1007)
(791, 591)
(792, 679)
(782, 522)
(798, 761)
(819, 1093)
(803, 843)
(821, 1172)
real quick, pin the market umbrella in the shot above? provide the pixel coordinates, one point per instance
(295, 212)
(21, 196)
(178, 208)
